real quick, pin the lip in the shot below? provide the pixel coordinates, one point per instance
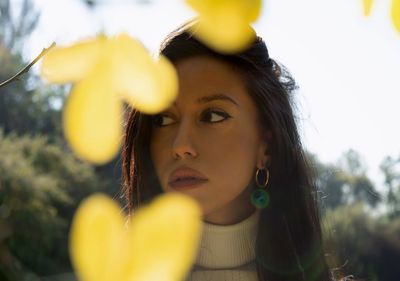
(185, 177)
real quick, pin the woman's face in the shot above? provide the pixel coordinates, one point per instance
(213, 129)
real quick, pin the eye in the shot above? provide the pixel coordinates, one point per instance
(214, 116)
(161, 120)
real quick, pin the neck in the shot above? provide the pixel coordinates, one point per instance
(235, 212)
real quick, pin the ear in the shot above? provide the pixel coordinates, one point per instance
(263, 155)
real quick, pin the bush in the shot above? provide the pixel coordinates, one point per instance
(361, 245)
(41, 185)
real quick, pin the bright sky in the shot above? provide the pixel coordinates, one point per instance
(347, 66)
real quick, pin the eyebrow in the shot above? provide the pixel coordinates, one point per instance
(213, 97)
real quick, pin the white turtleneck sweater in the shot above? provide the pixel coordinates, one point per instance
(227, 252)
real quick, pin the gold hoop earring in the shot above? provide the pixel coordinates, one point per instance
(266, 178)
(259, 197)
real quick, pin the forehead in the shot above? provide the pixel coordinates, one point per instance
(206, 76)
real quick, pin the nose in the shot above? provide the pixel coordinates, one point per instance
(183, 142)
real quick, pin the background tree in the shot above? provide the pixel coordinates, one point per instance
(361, 188)
(16, 22)
(26, 106)
(41, 182)
(360, 245)
(345, 182)
(358, 240)
(41, 185)
(390, 168)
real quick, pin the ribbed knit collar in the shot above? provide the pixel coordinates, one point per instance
(224, 247)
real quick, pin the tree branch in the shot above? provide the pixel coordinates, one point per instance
(26, 68)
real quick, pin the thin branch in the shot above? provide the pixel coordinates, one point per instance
(26, 68)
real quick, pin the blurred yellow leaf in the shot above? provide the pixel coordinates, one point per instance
(92, 118)
(97, 239)
(395, 11)
(367, 7)
(159, 243)
(225, 24)
(396, 14)
(104, 71)
(63, 65)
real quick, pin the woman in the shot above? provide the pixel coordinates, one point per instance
(230, 141)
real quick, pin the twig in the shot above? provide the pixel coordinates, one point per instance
(26, 68)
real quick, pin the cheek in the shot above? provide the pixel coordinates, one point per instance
(234, 156)
(239, 165)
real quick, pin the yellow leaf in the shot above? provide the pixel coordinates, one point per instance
(396, 14)
(104, 71)
(160, 242)
(97, 241)
(253, 9)
(70, 64)
(367, 4)
(224, 25)
(158, 85)
(228, 34)
(168, 239)
(147, 84)
(92, 117)
(249, 8)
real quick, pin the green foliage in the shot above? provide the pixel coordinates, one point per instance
(363, 246)
(358, 241)
(345, 182)
(26, 106)
(24, 110)
(41, 184)
(329, 181)
(16, 24)
(40, 188)
(391, 171)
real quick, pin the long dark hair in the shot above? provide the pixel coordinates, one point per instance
(289, 243)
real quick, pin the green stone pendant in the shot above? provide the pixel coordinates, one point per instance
(260, 198)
